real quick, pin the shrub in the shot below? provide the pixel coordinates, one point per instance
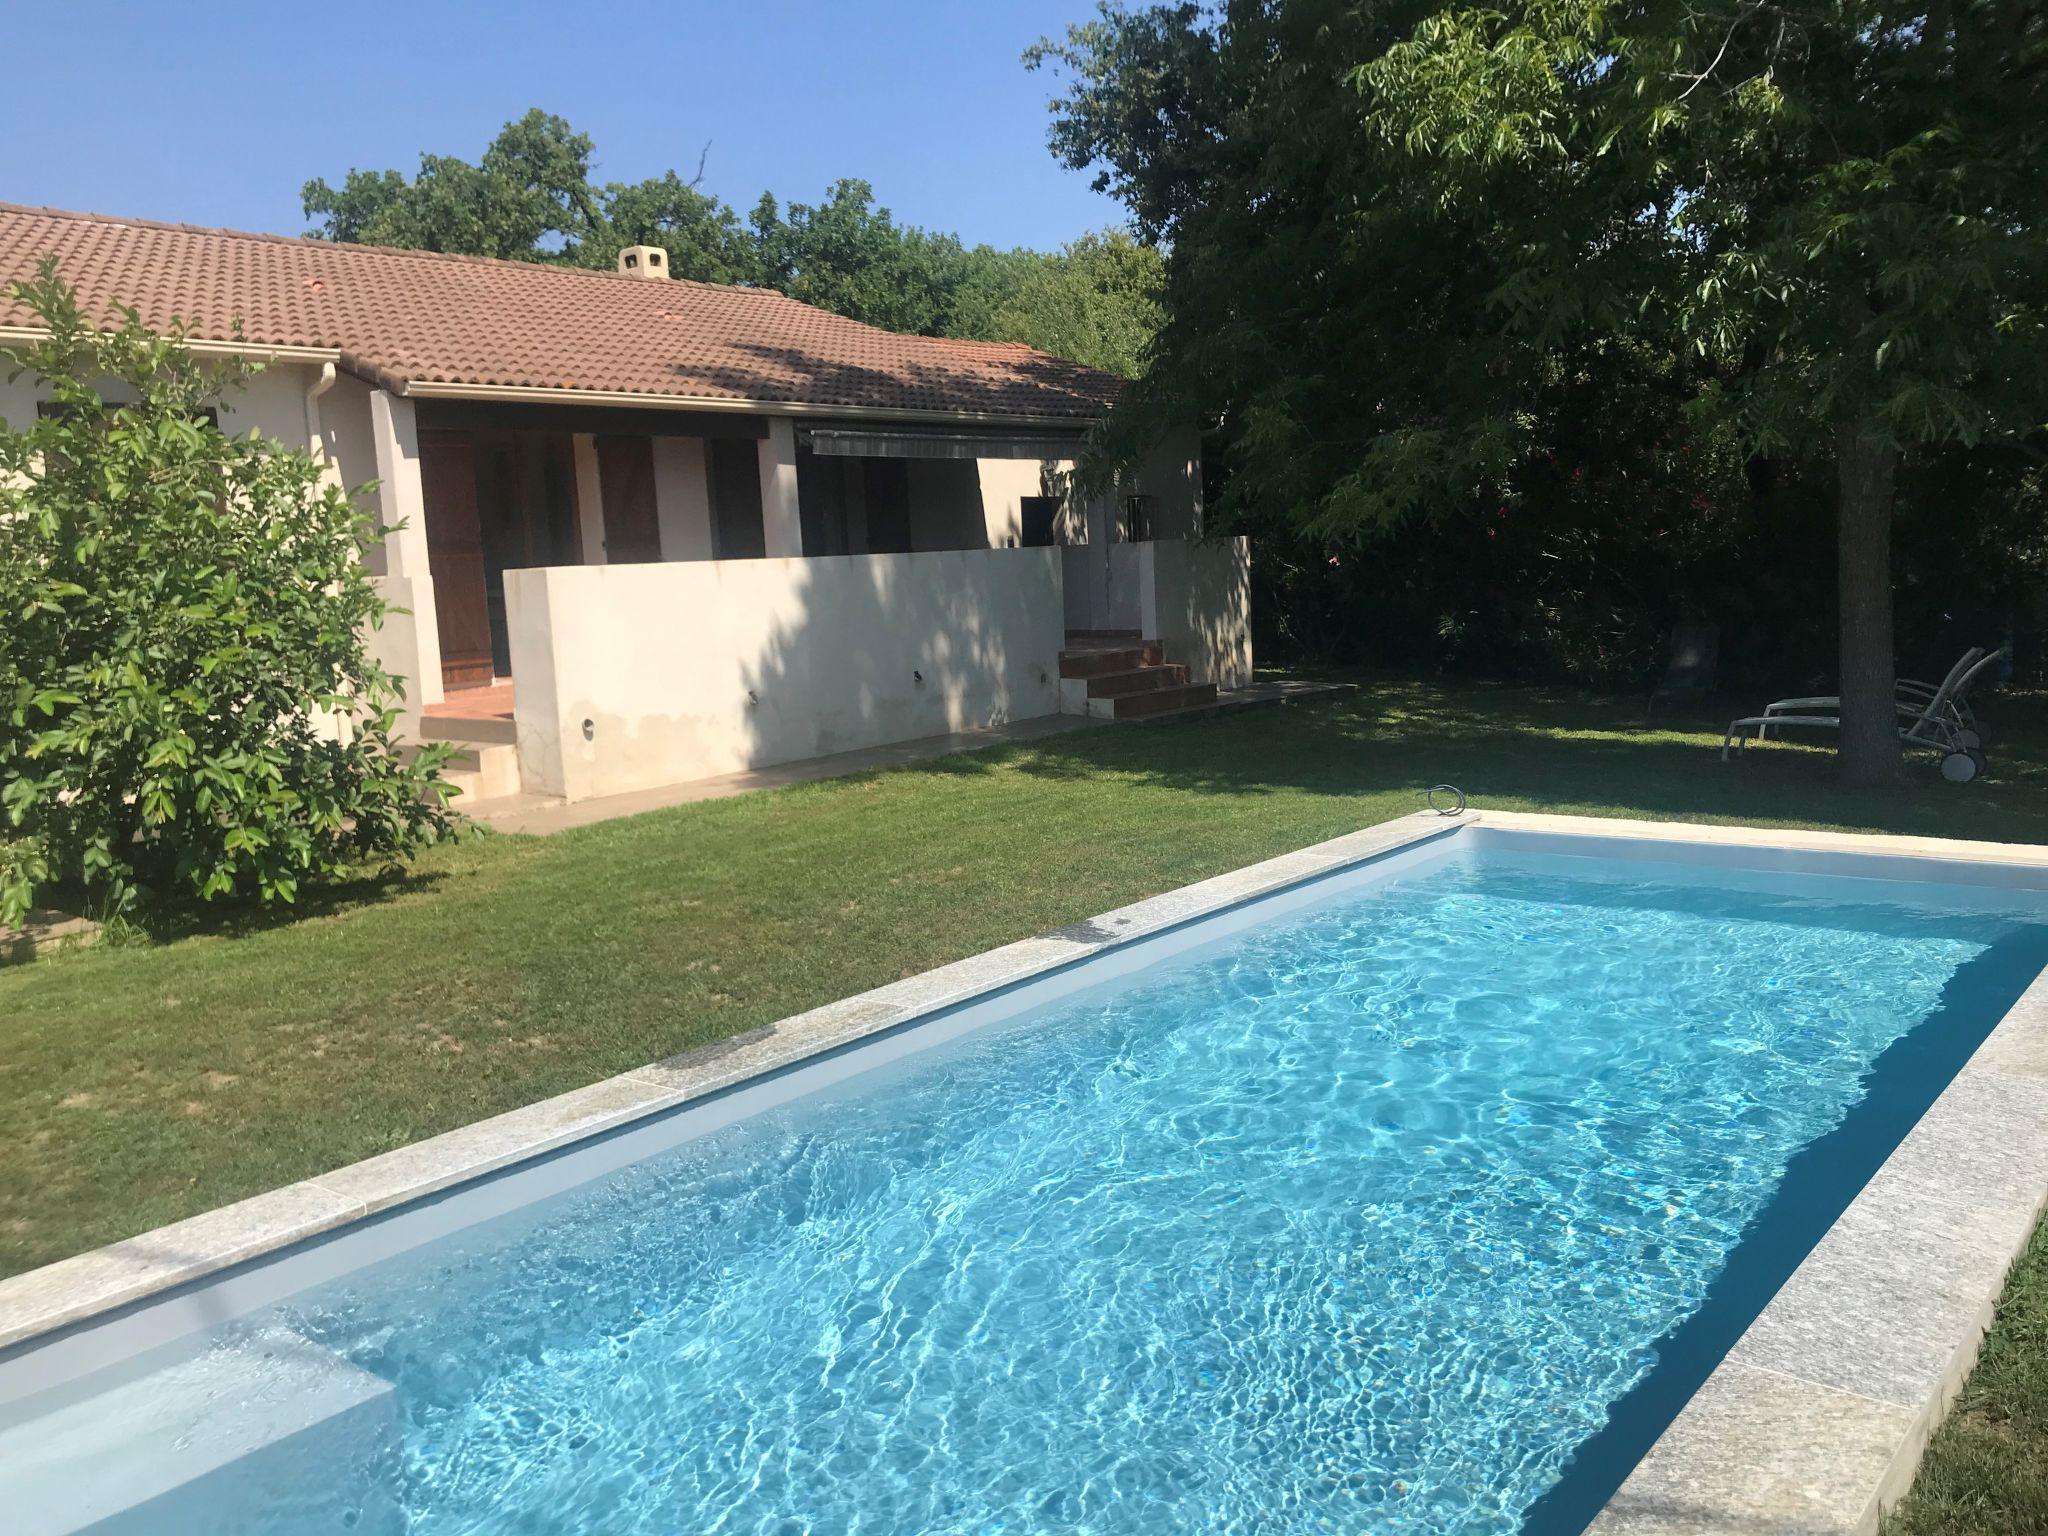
(187, 709)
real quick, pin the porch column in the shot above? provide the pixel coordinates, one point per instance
(589, 498)
(409, 646)
(682, 498)
(782, 530)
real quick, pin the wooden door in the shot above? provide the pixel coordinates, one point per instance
(455, 555)
(625, 477)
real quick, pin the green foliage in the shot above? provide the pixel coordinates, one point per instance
(530, 198)
(533, 184)
(704, 238)
(1844, 204)
(1097, 302)
(1404, 239)
(183, 629)
(849, 256)
(24, 868)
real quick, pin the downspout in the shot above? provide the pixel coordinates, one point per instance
(316, 441)
(316, 446)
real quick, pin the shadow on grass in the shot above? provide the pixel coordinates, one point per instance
(1541, 748)
(244, 919)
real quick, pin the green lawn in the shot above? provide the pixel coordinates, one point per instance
(146, 1081)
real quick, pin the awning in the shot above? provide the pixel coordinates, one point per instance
(858, 443)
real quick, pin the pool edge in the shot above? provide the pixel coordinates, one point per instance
(76, 1291)
(1814, 1422)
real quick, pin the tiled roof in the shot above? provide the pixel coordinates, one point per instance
(413, 317)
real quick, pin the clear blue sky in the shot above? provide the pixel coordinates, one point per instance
(217, 113)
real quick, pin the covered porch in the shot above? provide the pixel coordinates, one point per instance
(606, 599)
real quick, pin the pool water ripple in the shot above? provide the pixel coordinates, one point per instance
(1358, 1223)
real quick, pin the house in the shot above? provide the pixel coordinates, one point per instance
(650, 530)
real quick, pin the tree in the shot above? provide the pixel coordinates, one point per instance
(532, 186)
(1828, 215)
(704, 238)
(530, 198)
(849, 256)
(1097, 302)
(187, 707)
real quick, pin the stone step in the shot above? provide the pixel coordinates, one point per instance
(1155, 701)
(493, 729)
(1094, 661)
(482, 771)
(1109, 685)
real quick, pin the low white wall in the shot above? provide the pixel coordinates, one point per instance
(1103, 587)
(1196, 602)
(631, 676)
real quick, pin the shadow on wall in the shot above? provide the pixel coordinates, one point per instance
(1196, 601)
(632, 676)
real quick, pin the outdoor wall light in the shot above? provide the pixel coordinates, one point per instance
(589, 729)
(752, 697)
(916, 675)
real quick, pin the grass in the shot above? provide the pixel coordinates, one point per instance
(140, 1083)
(1986, 1474)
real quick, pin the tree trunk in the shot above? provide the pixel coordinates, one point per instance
(1866, 463)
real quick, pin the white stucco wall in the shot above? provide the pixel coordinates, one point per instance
(689, 670)
(274, 403)
(1004, 485)
(1195, 599)
(345, 433)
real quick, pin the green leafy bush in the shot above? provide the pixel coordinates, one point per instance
(187, 709)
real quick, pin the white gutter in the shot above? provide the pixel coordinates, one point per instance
(260, 350)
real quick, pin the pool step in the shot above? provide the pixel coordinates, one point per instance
(270, 1432)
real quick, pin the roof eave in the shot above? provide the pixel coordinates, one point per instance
(422, 389)
(198, 346)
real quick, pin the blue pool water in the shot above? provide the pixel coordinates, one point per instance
(1358, 1221)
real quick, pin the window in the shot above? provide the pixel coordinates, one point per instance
(1140, 512)
(736, 532)
(1037, 516)
(887, 494)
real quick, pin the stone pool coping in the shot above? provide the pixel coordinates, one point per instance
(81, 1288)
(1814, 1421)
(1813, 1424)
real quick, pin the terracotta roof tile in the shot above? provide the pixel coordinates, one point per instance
(412, 317)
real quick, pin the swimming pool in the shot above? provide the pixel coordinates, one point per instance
(1358, 1208)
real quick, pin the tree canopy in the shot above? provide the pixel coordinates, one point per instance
(1404, 238)
(531, 198)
